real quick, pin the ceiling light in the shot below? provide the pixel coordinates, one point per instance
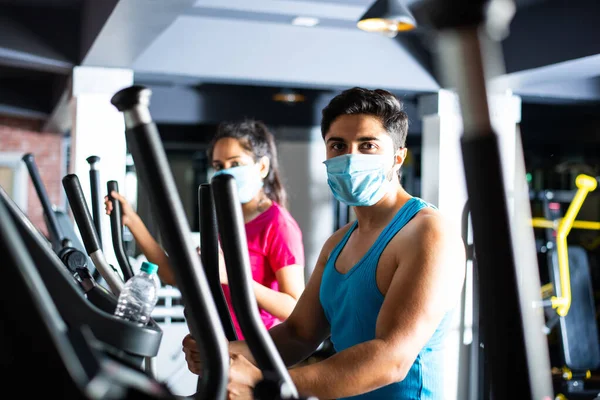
(387, 17)
(288, 96)
(305, 21)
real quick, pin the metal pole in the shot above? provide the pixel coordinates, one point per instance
(88, 233)
(235, 248)
(154, 172)
(56, 236)
(95, 189)
(515, 369)
(209, 251)
(116, 227)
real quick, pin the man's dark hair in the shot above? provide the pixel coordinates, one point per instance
(378, 103)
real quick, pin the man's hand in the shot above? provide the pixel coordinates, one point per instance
(239, 392)
(243, 376)
(242, 371)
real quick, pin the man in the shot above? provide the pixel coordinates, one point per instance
(383, 287)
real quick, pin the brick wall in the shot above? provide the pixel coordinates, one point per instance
(23, 135)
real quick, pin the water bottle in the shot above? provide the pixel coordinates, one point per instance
(139, 295)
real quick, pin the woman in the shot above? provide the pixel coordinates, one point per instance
(246, 150)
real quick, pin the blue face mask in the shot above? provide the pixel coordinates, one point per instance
(358, 179)
(247, 179)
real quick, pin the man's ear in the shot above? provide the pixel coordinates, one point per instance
(264, 166)
(399, 158)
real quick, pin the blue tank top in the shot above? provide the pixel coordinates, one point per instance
(352, 301)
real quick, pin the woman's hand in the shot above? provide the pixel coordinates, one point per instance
(222, 269)
(127, 213)
(192, 355)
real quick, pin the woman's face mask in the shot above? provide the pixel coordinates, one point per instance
(247, 179)
(358, 179)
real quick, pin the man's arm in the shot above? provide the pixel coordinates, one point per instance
(297, 337)
(307, 327)
(429, 278)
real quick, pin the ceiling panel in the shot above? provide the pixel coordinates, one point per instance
(286, 7)
(43, 3)
(235, 51)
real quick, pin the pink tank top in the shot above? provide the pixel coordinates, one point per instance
(274, 242)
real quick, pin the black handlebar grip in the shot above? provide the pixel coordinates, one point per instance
(95, 199)
(81, 213)
(93, 160)
(116, 228)
(237, 262)
(131, 97)
(209, 252)
(51, 221)
(154, 173)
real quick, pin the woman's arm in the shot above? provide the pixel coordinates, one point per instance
(149, 246)
(281, 303)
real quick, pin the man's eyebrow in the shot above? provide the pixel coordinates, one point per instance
(367, 139)
(360, 139)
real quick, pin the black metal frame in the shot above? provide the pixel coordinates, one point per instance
(35, 324)
(123, 339)
(95, 199)
(209, 252)
(56, 236)
(116, 228)
(458, 26)
(237, 261)
(72, 363)
(144, 143)
(88, 232)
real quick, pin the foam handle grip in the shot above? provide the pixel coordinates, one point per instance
(53, 227)
(230, 222)
(209, 246)
(81, 213)
(117, 231)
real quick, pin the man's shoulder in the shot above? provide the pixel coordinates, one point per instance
(429, 228)
(337, 236)
(427, 221)
(332, 242)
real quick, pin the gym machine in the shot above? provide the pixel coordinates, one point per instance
(569, 295)
(95, 199)
(70, 366)
(471, 354)
(155, 175)
(209, 252)
(79, 305)
(88, 232)
(514, 341)
(146, 148)
(60, 229)
(277, 384)
(116, 228)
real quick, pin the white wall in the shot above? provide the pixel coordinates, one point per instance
(98, 129)
(305, 178)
